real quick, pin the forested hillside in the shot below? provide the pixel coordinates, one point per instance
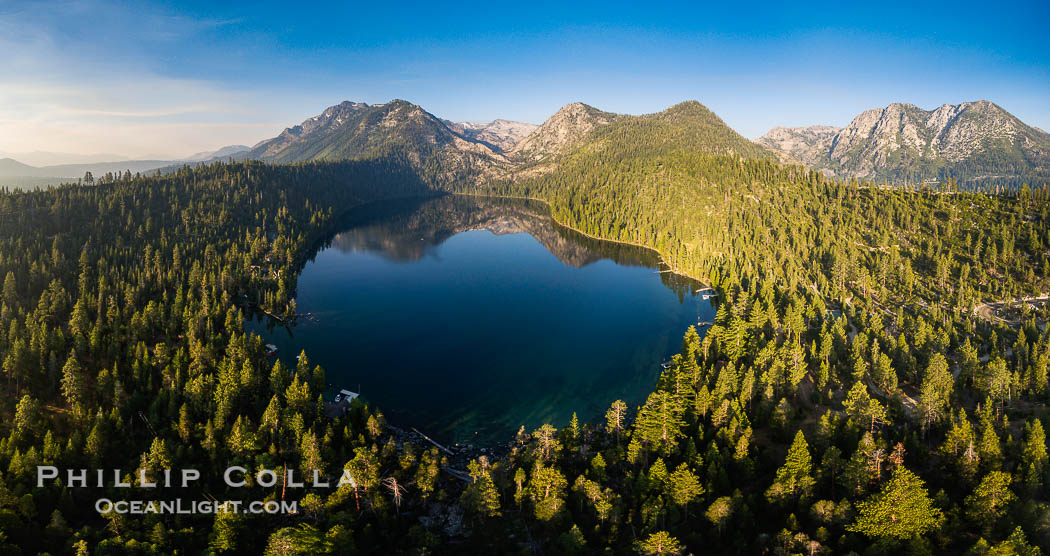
(123, 345)
(849, 319)
(713, 203)
(848, 397)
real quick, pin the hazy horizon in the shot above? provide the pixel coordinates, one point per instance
(167, 81)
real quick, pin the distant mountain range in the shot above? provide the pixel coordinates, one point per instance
(51, 158)
(500, 135)
(224, 152)
(13, 172)
(973, 142)
(10, 167)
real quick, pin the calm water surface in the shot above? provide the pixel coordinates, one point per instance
(469, 317)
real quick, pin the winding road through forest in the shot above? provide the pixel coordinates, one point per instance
(987, 311)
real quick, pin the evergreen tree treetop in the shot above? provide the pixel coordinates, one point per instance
(902, 509)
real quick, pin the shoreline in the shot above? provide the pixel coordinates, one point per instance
(663, 259)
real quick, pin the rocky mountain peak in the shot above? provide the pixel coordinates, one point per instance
(500, 135)
(354, 130)
(567, 126)
(800, 145)
(902, 142)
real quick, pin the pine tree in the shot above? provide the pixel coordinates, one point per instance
(797, 368)
(936, 390)
(684, 487)
(719, 512)
(1033, 456)
(902, 509)
(241, 440)
(794, 479)
(862, 407)
(227, 532)
(73, 383)
(996, 380)
(546, 489)
(989, 500)
(660, 543)
(27, 413)
(884, 374)
(989, 447)
(660, 422)
(615, 418)
(10, 291)
(1015, 545)
(481, 496)
(547, 445)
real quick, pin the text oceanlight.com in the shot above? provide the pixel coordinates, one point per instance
(179, 506)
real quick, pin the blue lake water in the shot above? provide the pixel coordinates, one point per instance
(470, 317)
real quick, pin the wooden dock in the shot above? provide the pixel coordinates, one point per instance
(434, 442)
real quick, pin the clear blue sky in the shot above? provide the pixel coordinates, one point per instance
(168, 78)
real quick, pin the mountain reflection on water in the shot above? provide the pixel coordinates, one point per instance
(453, 317)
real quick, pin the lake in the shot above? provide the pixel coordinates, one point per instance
(469, 317)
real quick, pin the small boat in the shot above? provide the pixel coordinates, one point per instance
(271, 350)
